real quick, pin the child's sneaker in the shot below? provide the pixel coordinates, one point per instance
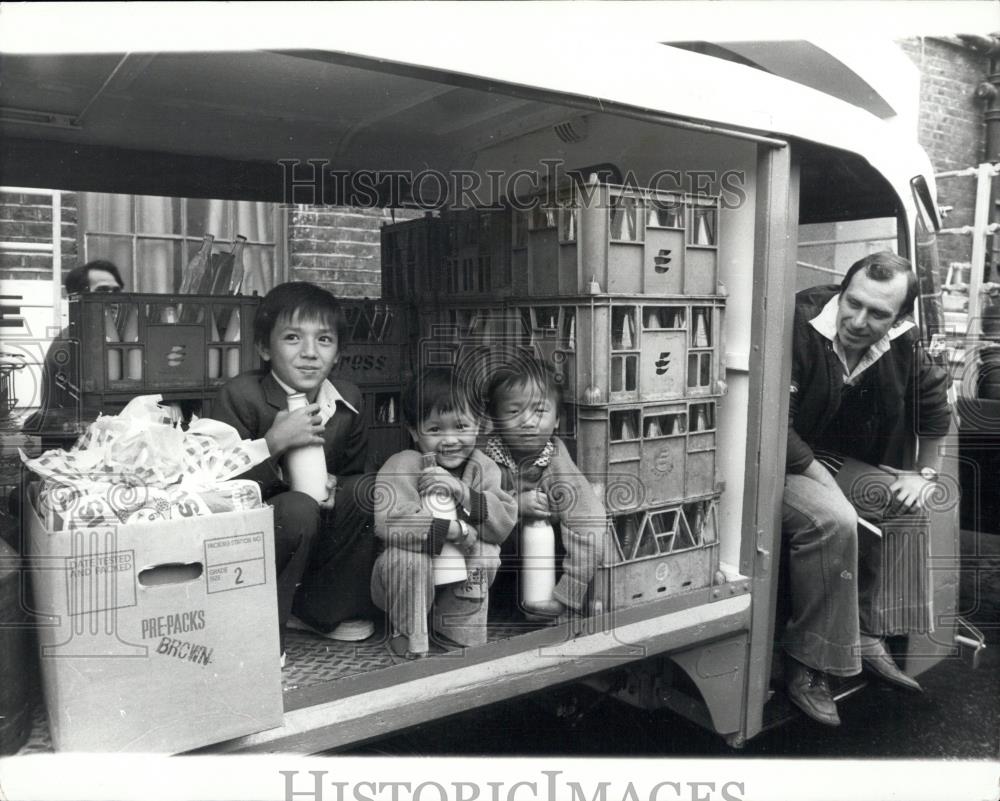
(347, 631)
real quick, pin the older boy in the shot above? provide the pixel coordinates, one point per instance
(297, 331)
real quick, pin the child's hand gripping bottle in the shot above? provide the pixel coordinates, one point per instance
(306, 466)
(449, 565)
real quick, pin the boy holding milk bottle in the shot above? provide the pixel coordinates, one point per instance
(523, 400)
(314, 438)
(441, 514)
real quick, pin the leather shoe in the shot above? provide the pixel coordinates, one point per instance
(809, 690)
(876, 659)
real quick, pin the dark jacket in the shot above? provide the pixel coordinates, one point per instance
(912, 389)
(250, 402)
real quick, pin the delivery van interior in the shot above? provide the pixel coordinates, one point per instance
(650, 258)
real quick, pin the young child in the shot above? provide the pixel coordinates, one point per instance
(523, 400)
(297, 332)
(442, 423)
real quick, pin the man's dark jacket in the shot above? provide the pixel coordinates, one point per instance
(912, 389)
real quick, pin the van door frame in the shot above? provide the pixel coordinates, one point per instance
(775, 248)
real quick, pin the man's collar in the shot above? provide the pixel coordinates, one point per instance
(328, 397)
(826, 324)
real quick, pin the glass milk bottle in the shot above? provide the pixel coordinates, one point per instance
(449, 565)
(305, 467)
(538, 574)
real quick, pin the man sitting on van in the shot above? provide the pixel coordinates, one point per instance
(860, 391)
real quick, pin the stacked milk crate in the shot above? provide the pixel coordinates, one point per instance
(620, 293)
(618, 289)
(456, 269)
(120, 345)
(376, 357)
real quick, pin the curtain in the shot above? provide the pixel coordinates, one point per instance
(155, 265)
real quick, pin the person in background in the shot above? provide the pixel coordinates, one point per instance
(327, 546)
(94, 276)
(860, 390)
(523, 401)
(99, 275)
(444, 426)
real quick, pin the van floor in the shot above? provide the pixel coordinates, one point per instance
(313, 659)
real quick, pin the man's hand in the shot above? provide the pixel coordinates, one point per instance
(294, 429)
(534, 504)
(910, 490)
(331, 491)
(438, 479)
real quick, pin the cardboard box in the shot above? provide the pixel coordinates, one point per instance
(163, 636)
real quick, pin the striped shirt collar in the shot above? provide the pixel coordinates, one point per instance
(826, 324)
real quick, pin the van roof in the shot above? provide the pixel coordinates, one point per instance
(362, 95)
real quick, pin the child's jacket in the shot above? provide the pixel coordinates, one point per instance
(580, 513)
(402, 521)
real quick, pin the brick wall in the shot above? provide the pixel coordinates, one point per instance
(28, 218)
(952, 130)
(338, 247)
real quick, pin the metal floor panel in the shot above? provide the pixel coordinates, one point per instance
(311, 660)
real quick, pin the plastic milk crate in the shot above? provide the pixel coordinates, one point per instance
(383, 418)
(614, 350)
(459, 254)
(472, 338)
(476, 254)
(660, 552)
(378, 346)
(411, 254)
(149, 343)
(639, 456)
(121, 345)
(623, 239)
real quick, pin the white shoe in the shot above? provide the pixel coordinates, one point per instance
(348, 631)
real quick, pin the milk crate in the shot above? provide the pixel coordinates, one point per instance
(474, 339)
(411, 253)
(645, 455)
(615, 350)
(460, 254)
(143, 343)
(377, 349)
(660, 552)
(383, 419)
(476, 254)
(618, 240)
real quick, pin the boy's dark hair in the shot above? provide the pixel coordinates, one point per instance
(311, 302)
(436, 389)
(517, 373)
(884, 266)
(77, 280)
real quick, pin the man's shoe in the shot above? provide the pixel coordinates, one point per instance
(809, 690)
(876, 659)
